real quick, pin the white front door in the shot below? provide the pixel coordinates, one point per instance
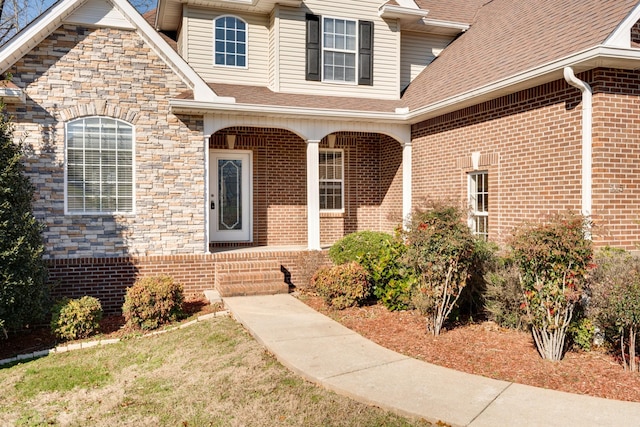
(230, 198)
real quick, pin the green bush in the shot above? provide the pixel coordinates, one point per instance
(343, 285)
(24, 295)
(74, 319)
(553, 259)
(503, 294)
(357, 245)
(380, 254)
(581, 332)
(152, 302)
(440, 248)
(615, 299)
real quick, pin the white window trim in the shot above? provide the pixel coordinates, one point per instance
(355, 52)
(473, 214)
(341, 151)
(132, 212)
(246, 44)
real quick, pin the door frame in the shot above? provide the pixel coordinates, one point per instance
(212, 196)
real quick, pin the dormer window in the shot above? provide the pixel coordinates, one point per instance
(339, 50)
(230, 41)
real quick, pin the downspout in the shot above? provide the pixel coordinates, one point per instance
(587, 140)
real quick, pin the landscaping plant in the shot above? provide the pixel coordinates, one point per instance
(615, 300)
(73, 319)
(380, 254)
(440, 247)
(553, 259)
(152, 302)
(343, 285)
(23, 292)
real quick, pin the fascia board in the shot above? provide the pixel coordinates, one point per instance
(35, 32)
(198, 107)
(392, 12)
(591, 58)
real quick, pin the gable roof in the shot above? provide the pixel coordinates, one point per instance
(512, 37)
(126, 17)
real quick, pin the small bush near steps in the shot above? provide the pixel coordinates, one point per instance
(76, 318)
(343, 285)
(152, 302)
(380, 254)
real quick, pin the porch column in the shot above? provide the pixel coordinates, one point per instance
(313, 195)
(209, 125)
(406, 181)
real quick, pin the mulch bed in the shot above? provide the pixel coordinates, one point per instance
(489, 350)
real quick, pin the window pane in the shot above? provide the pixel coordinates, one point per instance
(98, 169)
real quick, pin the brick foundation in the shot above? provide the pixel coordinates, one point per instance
(108, 278)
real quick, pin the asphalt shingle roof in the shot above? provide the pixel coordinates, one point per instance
(512, 36)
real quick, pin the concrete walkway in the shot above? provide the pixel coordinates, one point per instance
(325, 352)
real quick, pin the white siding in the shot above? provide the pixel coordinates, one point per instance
(199, 54)
(99, 13)
(273, 49)
(386, 44)
(418, 50)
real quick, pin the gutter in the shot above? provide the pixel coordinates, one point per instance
(587, 140)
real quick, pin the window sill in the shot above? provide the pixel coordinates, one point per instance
(332, 214)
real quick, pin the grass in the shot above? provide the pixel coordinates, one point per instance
(209, 374)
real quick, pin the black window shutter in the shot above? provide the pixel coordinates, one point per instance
(313, 48)
(365, 53)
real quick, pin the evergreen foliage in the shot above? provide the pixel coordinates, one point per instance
(23, 294)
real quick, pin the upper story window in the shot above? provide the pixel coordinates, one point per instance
(479, 203)
(331, 180)
(339, 50)
(99, 166)
(339, 42)
(230, 41)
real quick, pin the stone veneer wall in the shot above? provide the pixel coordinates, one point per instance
(79, 72)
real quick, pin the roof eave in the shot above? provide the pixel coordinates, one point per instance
(228, 106)
(399, 12)
(599, 56)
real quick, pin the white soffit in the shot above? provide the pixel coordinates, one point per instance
(99, 13)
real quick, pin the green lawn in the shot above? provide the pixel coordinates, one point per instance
(209, 374)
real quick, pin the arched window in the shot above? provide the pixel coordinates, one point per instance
(99, 166)
(230, 41)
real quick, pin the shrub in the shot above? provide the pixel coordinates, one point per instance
(440, 248)
(553, 259)
(615, 299)
(343, 285)
(380, 254)
(152, 302)
(582, 331)
(23, 292)
(74, 319)
(503, 294)
(355, 246)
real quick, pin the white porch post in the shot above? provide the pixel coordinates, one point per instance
(406, 181)
(208, 131)
(313, 194)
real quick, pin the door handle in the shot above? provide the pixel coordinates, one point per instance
(213, 205)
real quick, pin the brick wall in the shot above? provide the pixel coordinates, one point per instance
(108, 278)
(529, 143)
(78, 72)
(373, 184)
(616, 157)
